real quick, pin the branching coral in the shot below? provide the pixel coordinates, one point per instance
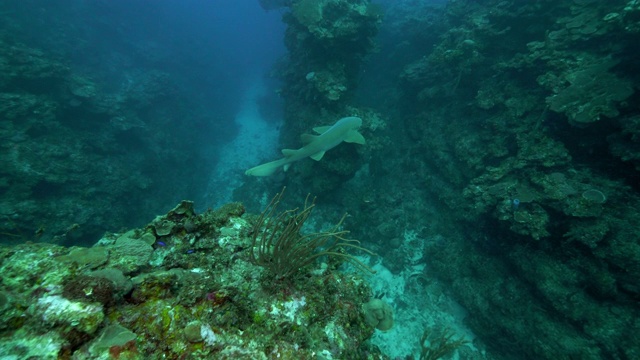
(439, 346)
(278, 245)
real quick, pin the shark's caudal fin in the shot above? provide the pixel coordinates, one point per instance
(266, 169)
(270, 168)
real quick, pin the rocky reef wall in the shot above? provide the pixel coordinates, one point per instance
(327, 43)
(98, 130)
(523, 118)
(509, 145)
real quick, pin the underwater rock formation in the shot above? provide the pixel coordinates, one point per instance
(513, 136)
(526, 112)
(81, 154)
(191, 291)
(327, 41)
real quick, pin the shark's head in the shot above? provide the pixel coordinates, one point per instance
(351, 122)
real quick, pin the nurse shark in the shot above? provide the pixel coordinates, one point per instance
(345, 129)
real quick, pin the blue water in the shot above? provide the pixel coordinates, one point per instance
(176, 77)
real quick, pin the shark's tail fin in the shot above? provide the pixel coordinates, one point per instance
(266, 169)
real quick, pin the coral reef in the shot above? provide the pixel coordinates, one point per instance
(195, 294)
(279, 245)
(502, 158)
(525, 112)
(436, 347)
(594, 92)
(512, 136)
(90, 137)
(327, 43)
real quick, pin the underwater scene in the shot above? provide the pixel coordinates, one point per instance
(319, 179)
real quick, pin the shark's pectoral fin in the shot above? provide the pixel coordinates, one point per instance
(286, 167)
(354, 137)
(317, 156)
(288, 152)
(307, 138)
(321, 129)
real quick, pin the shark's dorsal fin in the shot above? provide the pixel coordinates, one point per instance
(317, 156)
(321, 129)
(354, 137)
(288, 152)
(307, 138)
